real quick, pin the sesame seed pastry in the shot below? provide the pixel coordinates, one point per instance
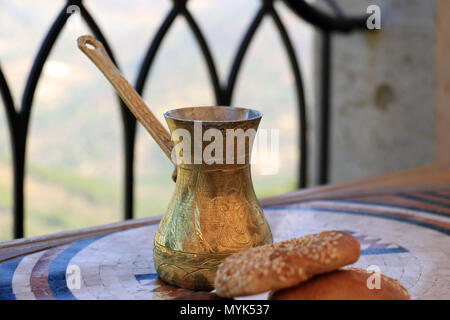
(344, 284)
(284, 264)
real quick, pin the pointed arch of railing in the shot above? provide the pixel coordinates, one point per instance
(206, 54)
(302, 179)
(141, 80)
(147, 62)
(128, 121)
(20, 129)
(38, 64)
(179, 8)
(242, 50)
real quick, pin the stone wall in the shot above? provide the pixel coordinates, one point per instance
(383, 91)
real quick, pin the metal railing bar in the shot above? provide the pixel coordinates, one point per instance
(13, 120)
(129, 143)
(323, 143)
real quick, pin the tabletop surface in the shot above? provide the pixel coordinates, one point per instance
(402, 221)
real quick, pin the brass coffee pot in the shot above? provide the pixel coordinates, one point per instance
(214, 211)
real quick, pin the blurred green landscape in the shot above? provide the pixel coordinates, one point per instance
(74, 170)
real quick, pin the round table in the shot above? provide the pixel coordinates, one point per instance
(403, 229)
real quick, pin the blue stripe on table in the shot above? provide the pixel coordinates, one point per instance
(146, 276)
(7, 270)
(391, 205)
(424, 200)
(145, 279)
(57, 274)
(438, 195)
(368, 214)
(369, 252)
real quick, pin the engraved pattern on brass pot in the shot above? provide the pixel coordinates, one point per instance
(214, 211)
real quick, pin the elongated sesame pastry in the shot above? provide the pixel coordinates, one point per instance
(285, 264)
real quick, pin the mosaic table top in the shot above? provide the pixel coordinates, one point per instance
(405, 234)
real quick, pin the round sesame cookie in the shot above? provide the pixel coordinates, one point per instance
(284, 264)
(345, 284)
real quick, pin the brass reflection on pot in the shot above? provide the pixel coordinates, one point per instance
(214, 211)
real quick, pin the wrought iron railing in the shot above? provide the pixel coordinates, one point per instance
(18, 119)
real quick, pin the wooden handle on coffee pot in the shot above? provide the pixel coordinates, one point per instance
(98, 55)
